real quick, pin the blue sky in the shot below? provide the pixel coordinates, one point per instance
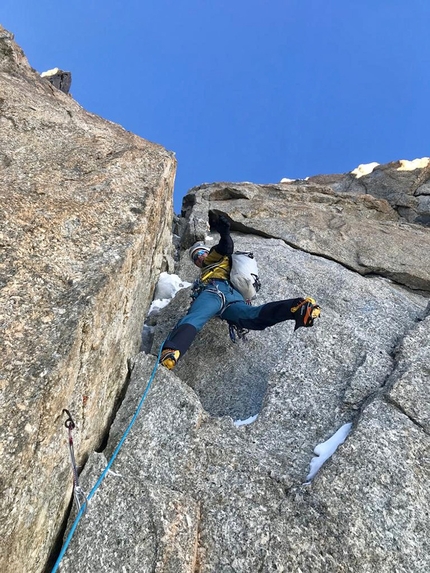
(251, 90)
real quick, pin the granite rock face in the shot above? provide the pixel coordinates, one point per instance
(85, 229)
(58, 78)
(361, 232)
(215, 496)
(404, 184)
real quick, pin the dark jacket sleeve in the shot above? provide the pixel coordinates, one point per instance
(221, 224)
(225, 245)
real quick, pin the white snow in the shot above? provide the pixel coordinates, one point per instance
(286, 180)
(158, 304)
(246, 422)
(325, 450)
(167, 287)
(364, 169)
(406, 165)
(49, 73)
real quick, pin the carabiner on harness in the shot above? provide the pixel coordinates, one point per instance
(210, 286)
(197, 288)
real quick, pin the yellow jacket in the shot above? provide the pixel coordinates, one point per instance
(215, 266)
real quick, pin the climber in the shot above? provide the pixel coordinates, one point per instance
(215, 296)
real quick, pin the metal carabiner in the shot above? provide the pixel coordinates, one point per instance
(69, 423)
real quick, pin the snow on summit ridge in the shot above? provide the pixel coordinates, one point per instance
(367, 168)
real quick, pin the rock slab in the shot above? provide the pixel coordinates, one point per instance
(244, 488)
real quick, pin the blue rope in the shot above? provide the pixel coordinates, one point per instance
(105, 471)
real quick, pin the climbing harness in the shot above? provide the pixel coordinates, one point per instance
(107, 468)
(78, 493)
(235, 332)
(210, 286)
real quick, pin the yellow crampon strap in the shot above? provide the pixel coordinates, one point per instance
(307, 299)
(313, 311)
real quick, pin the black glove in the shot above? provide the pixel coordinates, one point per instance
(219, 223)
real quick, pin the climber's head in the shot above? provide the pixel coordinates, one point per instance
(198, 253)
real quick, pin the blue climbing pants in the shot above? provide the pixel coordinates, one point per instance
(219, 298)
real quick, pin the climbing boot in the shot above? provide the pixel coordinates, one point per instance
(169, 358)
(305, 312)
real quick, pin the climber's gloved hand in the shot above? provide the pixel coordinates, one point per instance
(223, 225)
(213, 220)
(219, 223)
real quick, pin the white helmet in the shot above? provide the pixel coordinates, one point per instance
(197, 247)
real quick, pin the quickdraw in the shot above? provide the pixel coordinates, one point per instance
(78, 493)
(236, 332)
